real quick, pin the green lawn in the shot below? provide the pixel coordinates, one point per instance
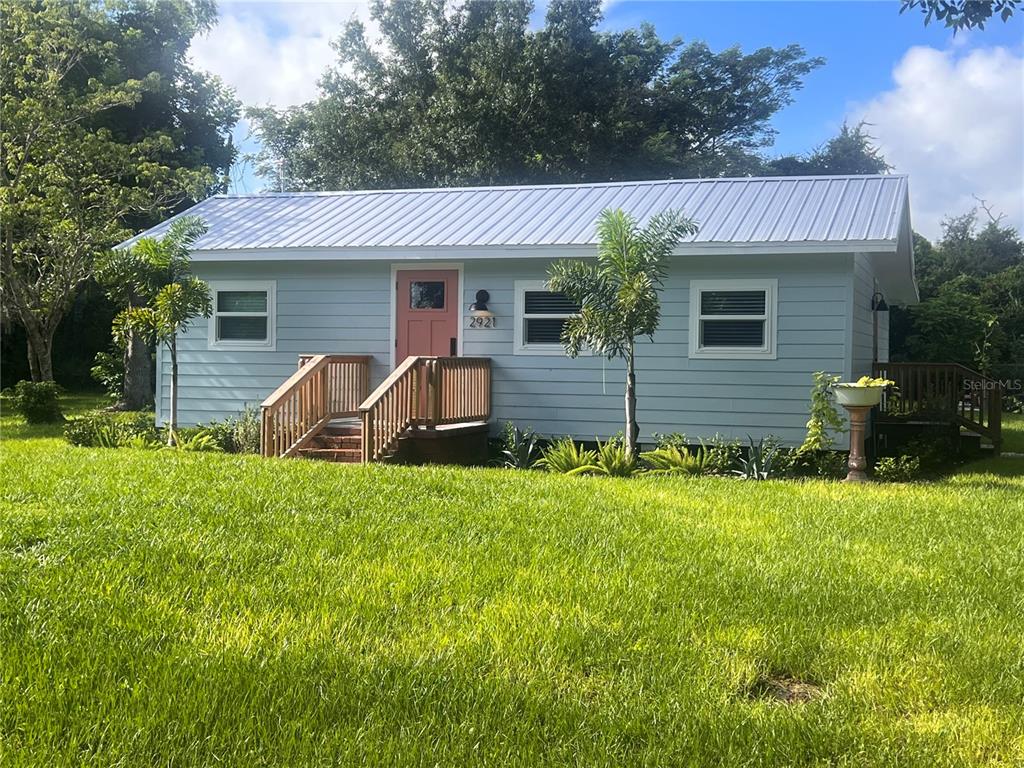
(190, 609)
(1013, 432)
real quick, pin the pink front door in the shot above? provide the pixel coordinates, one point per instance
(427, 320)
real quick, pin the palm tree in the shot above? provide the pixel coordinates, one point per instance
(618, 294)
(181, 296)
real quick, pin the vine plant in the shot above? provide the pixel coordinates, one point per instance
(825, 418)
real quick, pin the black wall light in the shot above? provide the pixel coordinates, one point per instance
(878, 302)
(479, 307)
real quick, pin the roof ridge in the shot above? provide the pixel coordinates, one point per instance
(557, 185)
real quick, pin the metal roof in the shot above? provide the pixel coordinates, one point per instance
(794, 209)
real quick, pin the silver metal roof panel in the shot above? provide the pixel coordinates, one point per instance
(811, 209)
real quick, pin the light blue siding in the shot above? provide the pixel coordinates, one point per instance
(584, 397)
(864, 287)
(344, 307)
(322, 307)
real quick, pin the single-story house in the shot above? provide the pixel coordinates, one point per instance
(784, 277)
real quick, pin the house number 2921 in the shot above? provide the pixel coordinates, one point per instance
(482, 322)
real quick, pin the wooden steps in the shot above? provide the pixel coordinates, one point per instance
(336, 443)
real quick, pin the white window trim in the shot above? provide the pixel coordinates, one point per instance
(771, 320)
(520, 347)
(270, 344)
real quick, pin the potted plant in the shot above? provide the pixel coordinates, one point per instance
(865, 392)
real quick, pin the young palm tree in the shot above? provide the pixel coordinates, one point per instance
(181, 297)
(618, 294)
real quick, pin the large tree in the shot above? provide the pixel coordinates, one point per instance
(851, 151)
(469, 94)
(972, 299)
(100, 134)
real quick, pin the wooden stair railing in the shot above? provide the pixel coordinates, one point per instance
(969, 398)
(424, 392)
(324, 387)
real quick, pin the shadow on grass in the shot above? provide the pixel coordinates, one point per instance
(13, 426)
(1003, 472)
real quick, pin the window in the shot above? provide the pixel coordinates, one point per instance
(426, 294)
(733, 318)
(540, 316)
(243, 315)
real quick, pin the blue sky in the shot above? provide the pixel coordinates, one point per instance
(947, 110)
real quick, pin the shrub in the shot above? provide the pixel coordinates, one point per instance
(671, 459)
(759, 461)
(830, 465)
(567, 457)
(104, 429)
(37, 401)
(897, 469)
(200, 441)
(237, 435)
(721, 455)
(519, 447)
(108, 370)
(936, 452)
(614, 460)
(670, 440)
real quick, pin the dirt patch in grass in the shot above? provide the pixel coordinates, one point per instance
(787, 690)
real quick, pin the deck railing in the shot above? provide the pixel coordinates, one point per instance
(324, 387)
(972, 399)
(425, 392)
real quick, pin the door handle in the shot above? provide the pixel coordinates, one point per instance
(453, 347)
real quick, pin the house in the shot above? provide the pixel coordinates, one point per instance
(785, 277)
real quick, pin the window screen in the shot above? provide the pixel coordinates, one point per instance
(733, 319)
(544, 316)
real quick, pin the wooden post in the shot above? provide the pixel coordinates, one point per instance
(857, 463)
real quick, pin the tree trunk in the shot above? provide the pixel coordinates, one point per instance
(33, 360)
(632, 428)
(138, 375)
(40, 352)
(172, 422)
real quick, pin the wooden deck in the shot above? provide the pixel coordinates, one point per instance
(942, 394)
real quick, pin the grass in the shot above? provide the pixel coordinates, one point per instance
(196, 609)
(1013, 432)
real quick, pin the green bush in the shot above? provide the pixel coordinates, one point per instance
(567, 457)
(614, 460)
(897, 469)
(237, 435)
(37, 401)
(110, 429)
(196, 441)
(758, 463)
(670, 440)
(670, 459)
(108, 370)
(519, 448)
(721, 455)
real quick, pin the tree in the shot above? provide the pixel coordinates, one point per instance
(93, 143)
(131, 279)
(470, 94)
(180, 298)
(972, 299)
(850, 152)
(618, 294)
(962, 14)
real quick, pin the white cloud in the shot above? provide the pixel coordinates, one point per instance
(274, 52)
(955, 123)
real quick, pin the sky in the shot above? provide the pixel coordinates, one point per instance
(946, 109)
